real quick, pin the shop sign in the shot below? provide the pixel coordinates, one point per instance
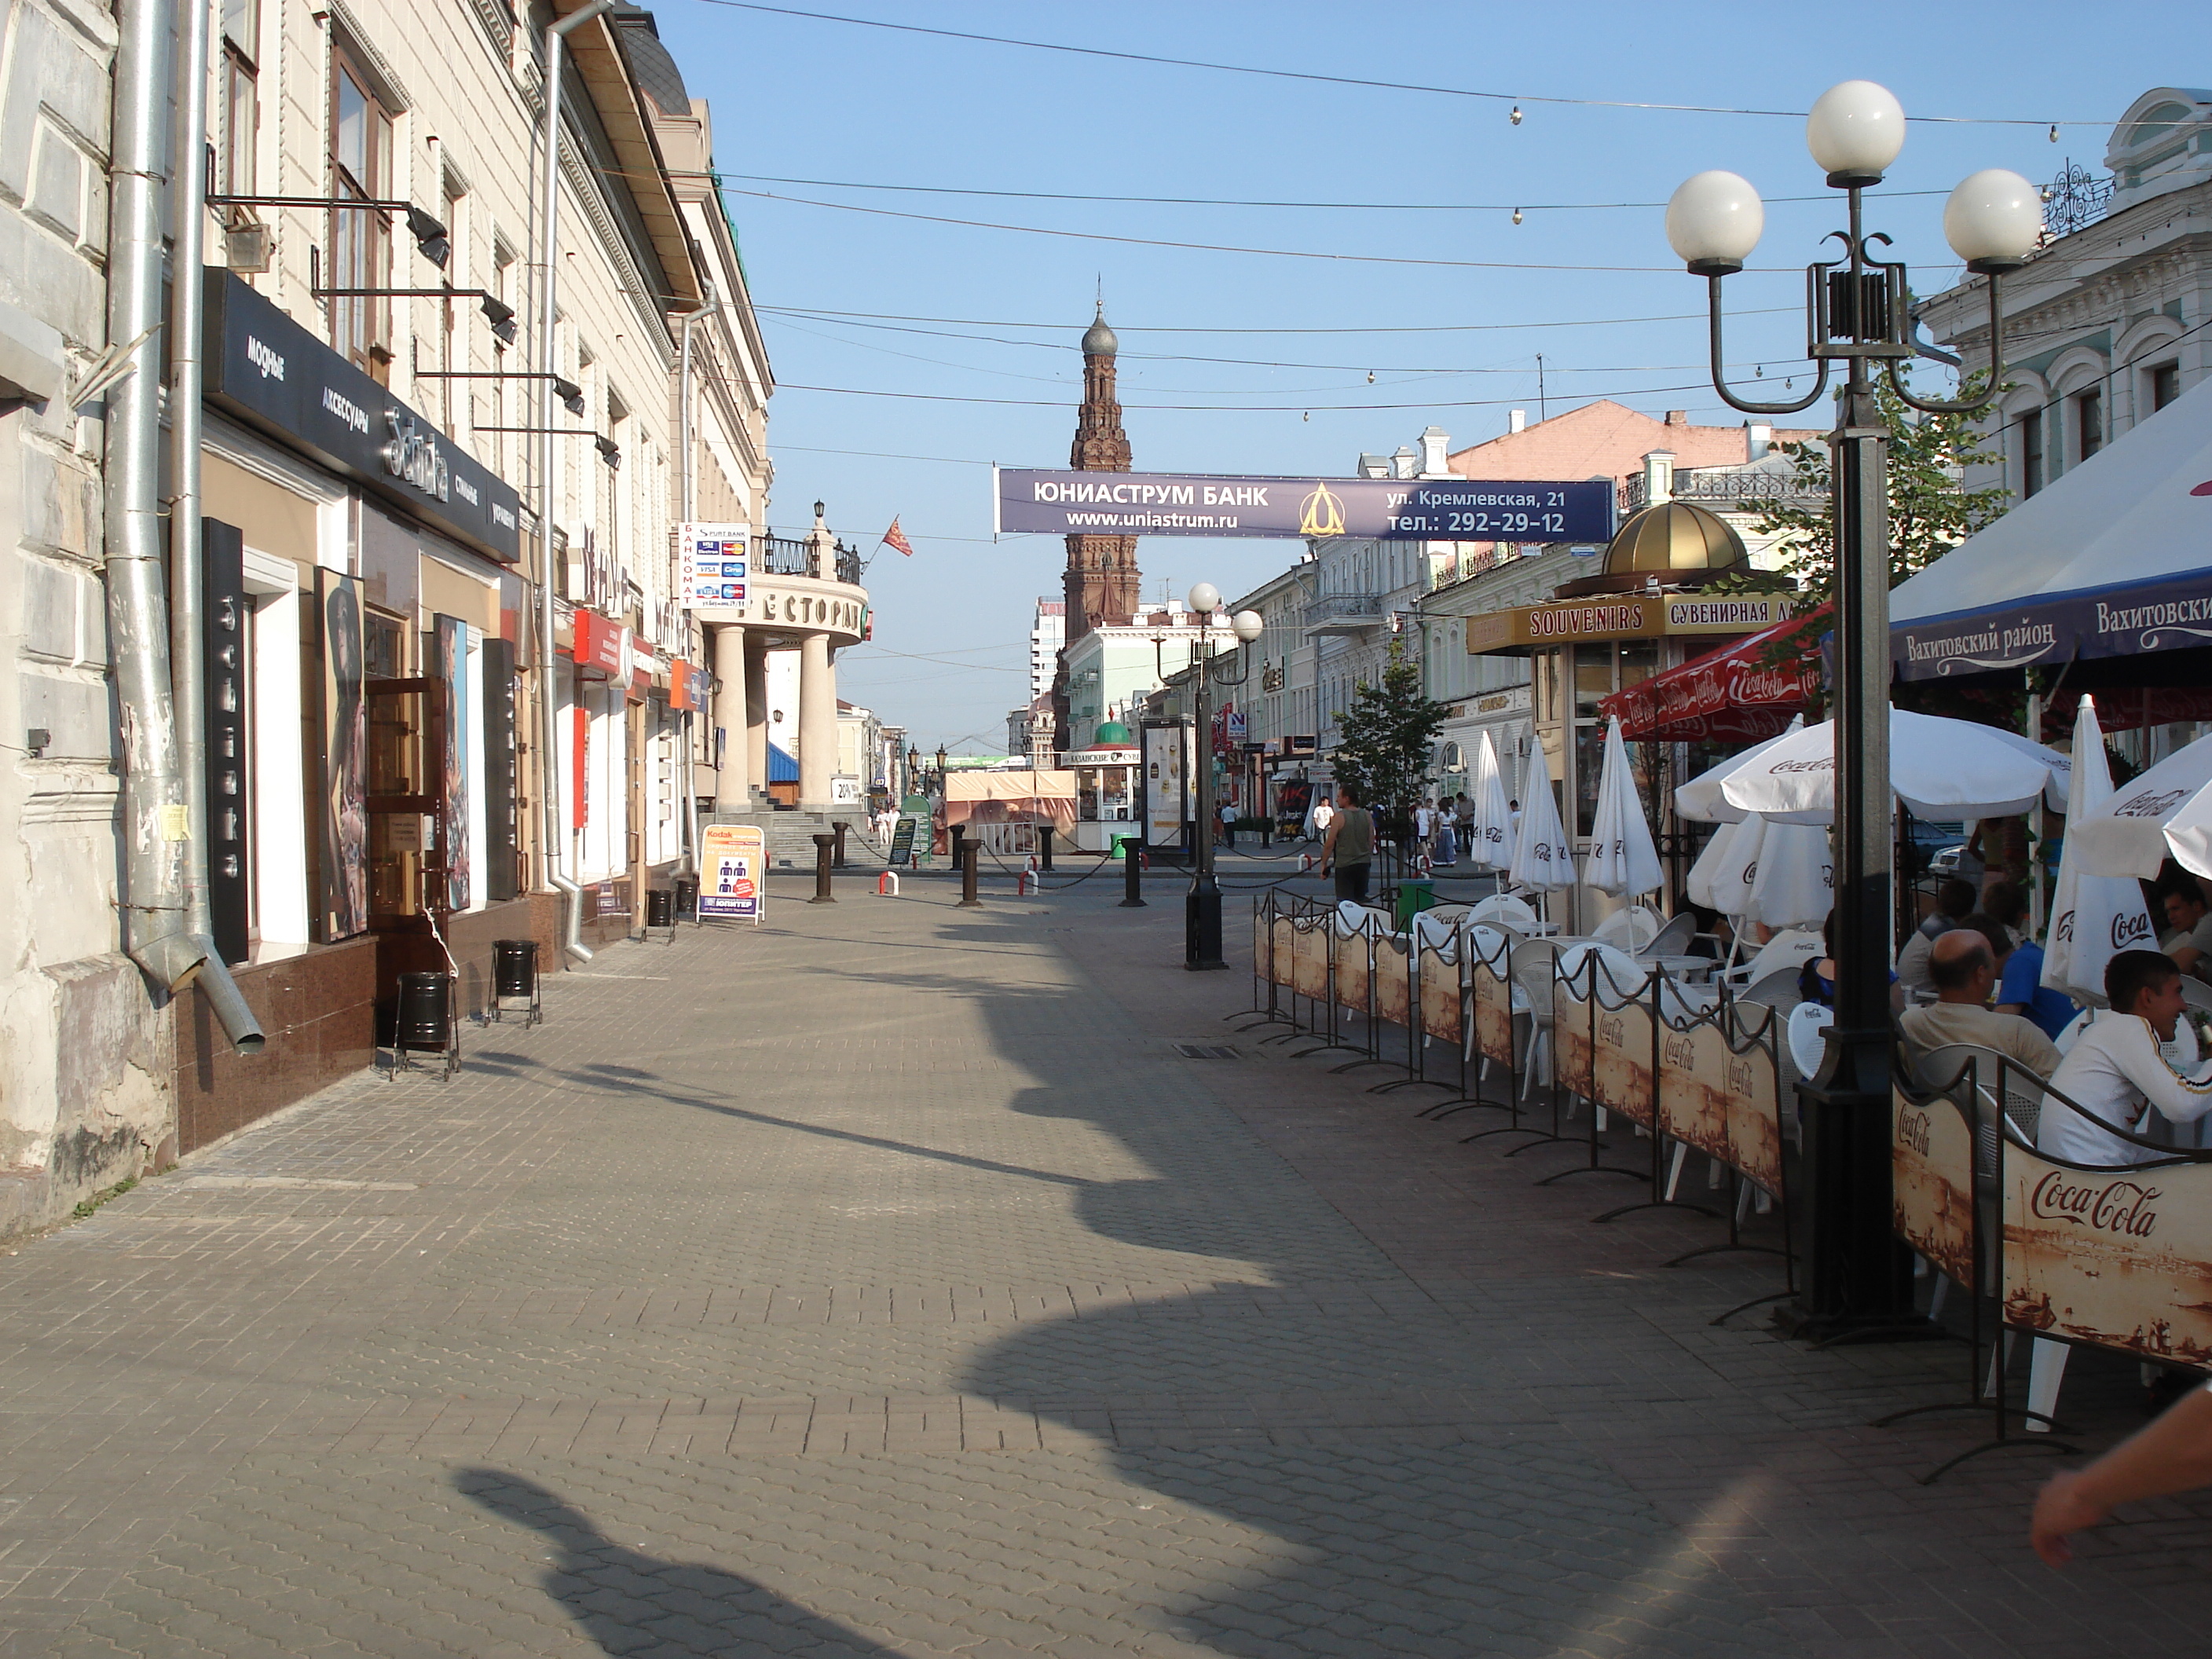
(1301, 745)
(714, 561)
(1101, 757)
(1637, 616)
(682, 685)
(732, 871)
(600, 644)
(266, 369)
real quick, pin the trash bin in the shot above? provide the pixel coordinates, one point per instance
(1413, 898)
(425, 1015)
(687, 898)
(660, 906)
(1122, 844)
(515, 967)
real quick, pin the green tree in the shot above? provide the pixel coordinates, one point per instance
(1387, 733)
(1930, 509)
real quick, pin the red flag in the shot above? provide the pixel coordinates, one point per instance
(896, 538)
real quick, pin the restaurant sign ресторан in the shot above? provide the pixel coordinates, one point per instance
(270, 372)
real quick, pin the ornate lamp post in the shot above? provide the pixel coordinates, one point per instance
(1201, 947)
(1858, 313)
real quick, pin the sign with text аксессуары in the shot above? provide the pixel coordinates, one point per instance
(1067, 503)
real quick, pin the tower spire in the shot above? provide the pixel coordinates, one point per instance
(1101, 579)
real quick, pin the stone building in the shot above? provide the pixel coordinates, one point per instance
(1100, 586)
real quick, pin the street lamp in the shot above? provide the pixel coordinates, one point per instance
(913, 767)
(940, 766)
(1202, 905)
(1858, 313)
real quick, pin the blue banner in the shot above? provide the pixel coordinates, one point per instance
(1070, 503)
(2169, 614)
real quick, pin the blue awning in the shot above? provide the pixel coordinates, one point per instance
(781, 769)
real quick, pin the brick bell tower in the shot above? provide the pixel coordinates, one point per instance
(1101, 580)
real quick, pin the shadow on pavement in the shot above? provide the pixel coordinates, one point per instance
(639, 1605)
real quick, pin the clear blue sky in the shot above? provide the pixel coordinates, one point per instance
(821, 100)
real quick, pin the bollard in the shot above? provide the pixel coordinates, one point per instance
(822, 893)
(968, 899)
(887, 882)
(1022, 880)
(1131, 878)
(958, 833)
(1044, 848)
(839, 828)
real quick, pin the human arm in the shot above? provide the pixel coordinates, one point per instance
(2172, 1455)
(2134, 1050)
(1328, 843)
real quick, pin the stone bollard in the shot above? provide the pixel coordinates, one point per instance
(968, 899)
(1044, 849)
(823, 847)
(838, 830)
(1131, 878)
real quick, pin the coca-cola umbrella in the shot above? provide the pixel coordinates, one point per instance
(1490, 833)
(1756, 869)
(1938, 767)
(1543, 857)
(1700, 798)
(1749, 690)
(1622, 858)
(2092, 916)
(2166, 812)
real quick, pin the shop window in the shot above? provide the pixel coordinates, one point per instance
(384, 646)
(360, 150)
(2031, 452)
(2165, 386)
(241, 96)
(2089, 422)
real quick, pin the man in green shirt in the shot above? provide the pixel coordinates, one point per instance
(1350, 849)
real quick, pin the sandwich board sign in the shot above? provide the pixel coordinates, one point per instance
(732, 871)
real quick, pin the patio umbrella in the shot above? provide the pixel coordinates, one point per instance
(1700, 798)
(1939, 767)
(1714, 879)
(2166, 812)
(2091, 916)
(1622, 859)
(1490, 837)
(1543, 858)
(1795, 885)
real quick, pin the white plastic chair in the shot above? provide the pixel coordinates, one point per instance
(1504, 908)
(1354, 918)
(1807, 1020)
(1673, 940)
(1533, 961)
(1786, 949)
(1433, 930)
(1631, 930)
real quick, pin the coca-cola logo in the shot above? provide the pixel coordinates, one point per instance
(2129, 930)
(1613, 1031)
(2151, 804)
(1913, 1130)
(1679, 1051)
(2062, 931)
(1739, 1077)
(2117, 1206)
(1827, 763)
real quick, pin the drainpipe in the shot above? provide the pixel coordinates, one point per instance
(159, 840)
(549, 208)
(187, 580)
(686, 503)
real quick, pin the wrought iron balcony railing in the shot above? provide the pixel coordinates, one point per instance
(1354, 608)
(785, 555)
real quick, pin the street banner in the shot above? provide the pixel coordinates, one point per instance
(733, 868)
(1720, 1092)
(714, 559)
(1620, 1054)
(1070, 503)
(1309, 958)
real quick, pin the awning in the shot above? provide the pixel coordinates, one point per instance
(1733, 695)
(2113, 560)
(1011, 797)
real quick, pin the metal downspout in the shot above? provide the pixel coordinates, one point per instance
(686, 506)
(159, 842)
(548, 147)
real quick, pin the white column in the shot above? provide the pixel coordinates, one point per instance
(818, 720)
(733, 784)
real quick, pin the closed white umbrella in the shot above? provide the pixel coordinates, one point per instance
(1939, 767)
(1795, 882)
(2166, 812)
(1622, 858)
(1490, 836)
(2091, 916)
(1543, 858)
(1713, 875)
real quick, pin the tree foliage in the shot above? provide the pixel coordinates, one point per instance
(1388, 734)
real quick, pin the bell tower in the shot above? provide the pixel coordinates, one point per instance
(1101, 579)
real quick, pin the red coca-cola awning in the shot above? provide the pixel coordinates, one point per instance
(1734, 696)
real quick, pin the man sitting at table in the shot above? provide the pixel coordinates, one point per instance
(2115, 1072)
(2020, 989)
(1964, 967)
(2190, 944)
(1955, 902)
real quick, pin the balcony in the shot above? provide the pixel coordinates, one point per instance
(1345, 613)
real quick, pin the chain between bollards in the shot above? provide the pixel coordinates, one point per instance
(823, 846)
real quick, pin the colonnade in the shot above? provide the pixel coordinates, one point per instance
(741, 714)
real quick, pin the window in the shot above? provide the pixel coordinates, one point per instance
(241, 96)
(2089, 422)
(2031, 452)
(2165, 386)
(360, 150)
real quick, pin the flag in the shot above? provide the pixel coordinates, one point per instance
(896, 538)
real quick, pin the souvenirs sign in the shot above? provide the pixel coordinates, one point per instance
(1624, 617)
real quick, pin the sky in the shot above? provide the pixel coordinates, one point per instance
(1283, 364)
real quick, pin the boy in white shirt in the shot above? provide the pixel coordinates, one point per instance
(2114, 1068)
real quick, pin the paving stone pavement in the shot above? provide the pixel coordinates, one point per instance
(884, 1281)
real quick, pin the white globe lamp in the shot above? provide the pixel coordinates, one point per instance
(1714, 220)
(1205, 599)
(1993, 221)
(1250, 625)
(1854, 131)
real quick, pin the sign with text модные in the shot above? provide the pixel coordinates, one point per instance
(1066, 502)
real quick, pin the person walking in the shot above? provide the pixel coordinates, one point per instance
(1349, 852)
(1323, 815)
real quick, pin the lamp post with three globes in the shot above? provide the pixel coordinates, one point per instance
(1858, 314)
(1202, 905)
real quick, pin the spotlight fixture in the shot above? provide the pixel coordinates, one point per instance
(609, 451)
(569, 393)
(431, 237)
(501, 316)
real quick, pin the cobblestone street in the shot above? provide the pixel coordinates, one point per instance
(886, 1281)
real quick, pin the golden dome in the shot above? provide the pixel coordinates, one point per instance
(1674, 535)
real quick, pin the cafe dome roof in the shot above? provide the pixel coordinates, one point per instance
(1674, 536)
(1112, 735)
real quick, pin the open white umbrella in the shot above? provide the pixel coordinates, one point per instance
(2091, 916)
(1490, 836)
(1939, 767)
(1622, 858)
(1543, 858)
(1795, 882)
(1700, 798)
(2166, 812)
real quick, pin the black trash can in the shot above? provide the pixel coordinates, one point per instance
(426, 1015)
(515, 967)
(660, 906)
(687, 898)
